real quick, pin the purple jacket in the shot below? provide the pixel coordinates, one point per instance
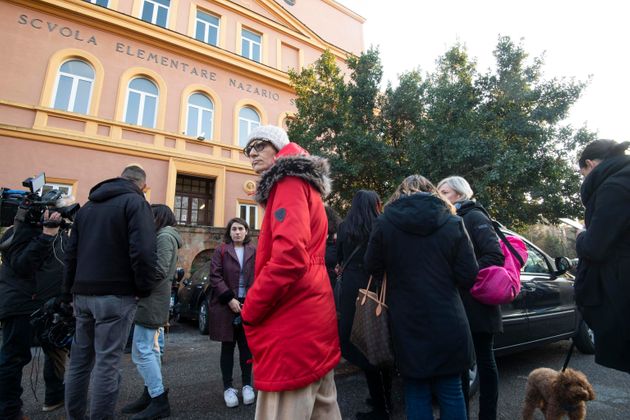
(224, 274)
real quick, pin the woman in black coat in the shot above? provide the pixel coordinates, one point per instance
(602, 286)
(484, 320)
(426, 253)
(352, 240)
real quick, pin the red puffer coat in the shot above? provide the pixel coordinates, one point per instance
(289, 314)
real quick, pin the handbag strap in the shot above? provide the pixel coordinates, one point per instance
(347, 261)
(497, 229)
(382, 293)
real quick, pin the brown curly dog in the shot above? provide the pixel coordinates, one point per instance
(557, 394)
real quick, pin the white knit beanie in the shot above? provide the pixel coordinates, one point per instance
(273, 134)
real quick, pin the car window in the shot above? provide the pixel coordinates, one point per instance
(536, 262)
(201, 274)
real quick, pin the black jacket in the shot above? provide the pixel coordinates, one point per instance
(427, 256)
(29, 260)
(482, 318)
(602, 286)
(112, 248)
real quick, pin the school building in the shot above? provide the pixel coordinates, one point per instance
(90, 86)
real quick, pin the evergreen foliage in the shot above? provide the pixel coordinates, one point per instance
(501, 129)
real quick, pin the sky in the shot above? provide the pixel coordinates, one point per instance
(578, 39)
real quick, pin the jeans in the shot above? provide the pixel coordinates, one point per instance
(447, 389)
(102, 328)
(145, 354)
(227, 358)
(488, 377)
(161, 340)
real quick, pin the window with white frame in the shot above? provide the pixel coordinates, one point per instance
(251, 43)
(207, 28)
(249, 213)
(200, 116)
(50, 186)
(73, 89)
(141, 104)
(155, 12)
(103, 3)
(248, 119)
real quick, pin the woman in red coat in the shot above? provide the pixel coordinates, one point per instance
(290, 318)
(231, 275)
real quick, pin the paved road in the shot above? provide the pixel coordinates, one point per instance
(191, 371)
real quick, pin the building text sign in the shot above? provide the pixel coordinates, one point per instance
(40, 24)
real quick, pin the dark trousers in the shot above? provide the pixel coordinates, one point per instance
(379, 383)
(15, 354)
(488, 377)
(227, 358)
(54, 370)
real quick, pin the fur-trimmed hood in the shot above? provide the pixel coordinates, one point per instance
(292, 160)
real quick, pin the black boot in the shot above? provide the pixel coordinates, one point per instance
(159, 408)
(139, 404)
(373, 415)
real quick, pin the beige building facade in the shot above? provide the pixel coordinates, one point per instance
(90, 86)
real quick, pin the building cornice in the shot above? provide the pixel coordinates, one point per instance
(343, 9)
(180, 44)
(89, 139)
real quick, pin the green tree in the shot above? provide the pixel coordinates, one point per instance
(501, 130)
(340, 121)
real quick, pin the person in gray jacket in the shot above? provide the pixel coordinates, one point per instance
(152, 314)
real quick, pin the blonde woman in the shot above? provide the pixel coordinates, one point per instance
(427, 255)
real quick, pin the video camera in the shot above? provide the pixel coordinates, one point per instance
(29, 206)
(54, 324)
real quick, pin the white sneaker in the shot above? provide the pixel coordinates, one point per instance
(230, 396)
(248, 395)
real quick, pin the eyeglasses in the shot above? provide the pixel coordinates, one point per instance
(257, 145)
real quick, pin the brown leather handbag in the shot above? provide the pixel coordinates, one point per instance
(370, 327)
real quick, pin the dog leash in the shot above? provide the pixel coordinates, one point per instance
(569, 353)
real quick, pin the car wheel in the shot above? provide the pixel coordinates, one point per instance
(203, 317)
(473, 377)
(584, 339)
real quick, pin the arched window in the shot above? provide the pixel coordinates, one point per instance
(200, 116)
(141, 105)
(248, 119)
(73, 89)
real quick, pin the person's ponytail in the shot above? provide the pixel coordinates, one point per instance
(602, 149)
(618, 149)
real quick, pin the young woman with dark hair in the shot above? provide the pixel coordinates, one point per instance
(352, 241)
(231, 275)
(602, 290)
(151, 316)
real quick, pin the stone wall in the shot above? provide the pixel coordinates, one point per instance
(199, 242)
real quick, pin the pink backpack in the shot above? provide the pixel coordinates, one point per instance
(496, 285)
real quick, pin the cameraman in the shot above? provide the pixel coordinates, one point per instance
(31, 273)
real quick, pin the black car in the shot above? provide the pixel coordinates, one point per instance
(544, 311)
(192, 300)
